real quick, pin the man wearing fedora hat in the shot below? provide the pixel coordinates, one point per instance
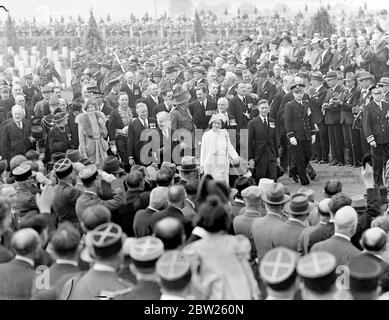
(263, 228)
(298, 210)
(384, 83)
(171, 78)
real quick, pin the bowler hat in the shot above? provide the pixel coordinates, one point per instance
(383, 82)
(317, 75)
(200, 69)
(275, 195)
(111, 165)
(37, 132)
(363, 75)
(170, 69)
(299, 205)
(350, 76)
(331, 75)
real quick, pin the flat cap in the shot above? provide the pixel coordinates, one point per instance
(174, 270)
(107, 239)
(278, 268)
(317, 270)
(252, 192)
(22, 172)
(63, 167)
(200, 69)
(364, 273)
(88, 172)
(331, 75)
(146, 251)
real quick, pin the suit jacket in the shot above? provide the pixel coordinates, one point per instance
(200, 115)
(320, 234)
(5, 254)
(228, 92)
(133, 95)
(162, 147)
(350, 100)
(367, 55)
(64, 204)
(142, 222)
(238, 109)
(267, 92)
(304, 238)
(317, 101)
(298, 123)
(326, 61)
(332, 116)
(181, 118)
(135, 138)
(175, 213)
(341, 248)
(151, 104)
(376, 122)
(262, 139)
(381, 57)
(114, 122)
(262, 232)
(15, 140)
(145, 290)
(159, 108)
(168, 85)
(16, 279)
(287, 235)
(29, 92)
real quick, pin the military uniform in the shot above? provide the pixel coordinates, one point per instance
(376, 128)
(299, 124)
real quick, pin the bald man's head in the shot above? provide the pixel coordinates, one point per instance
(345, 220)
(171, 232)
(324, 209)
(374, 239)
(177, 196)
(25, 241)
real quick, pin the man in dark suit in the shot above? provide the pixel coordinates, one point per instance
(239, 107)
(265, 89)
(17, 275)
(137, 137)
(376, 128)
(142, 219)
(352, 141)
(171, 79)
(29, 91)
(317, 95)
(133, 91)
(199, 74)
(165, 105)
(263, 144)
(176, 200)
(202, 109)
(300, 131)
(162, 141)
(326, 56)
(16, 135)
(153, 99)
(339, 244)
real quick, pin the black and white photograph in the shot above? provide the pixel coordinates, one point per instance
(210, 152)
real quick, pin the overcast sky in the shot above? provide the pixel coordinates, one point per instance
(120, 9)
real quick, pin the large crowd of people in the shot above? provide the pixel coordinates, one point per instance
(158, 178)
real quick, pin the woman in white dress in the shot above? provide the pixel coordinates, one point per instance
(217, 151)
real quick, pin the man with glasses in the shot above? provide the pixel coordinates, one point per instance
(300, 131)
(376, 129)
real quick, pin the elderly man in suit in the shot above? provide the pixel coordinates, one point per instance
(240, 106)
(202, 108)
(17, 275)
(16, 135)
(138, 137)
(263, 228)
(345, 222)
(264, 88)
(263, 144)
(133, 91)
(298, 210)
(153, 99)
(166, 105)
(162, 140)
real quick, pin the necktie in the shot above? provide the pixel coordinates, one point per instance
(265, 121)
(244, 100)
(166, 133)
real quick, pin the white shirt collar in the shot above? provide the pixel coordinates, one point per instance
(66, 261)
(191, 202)
(200, 232)
(102, 267)
(298, 221)
(152, 209)
(318, 88)
(342, 236)
(238, 200)
(25, 259)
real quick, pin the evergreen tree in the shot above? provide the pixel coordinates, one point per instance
(238, 11)
(198, 30)
(108, 17)
(306, 8)
(328, 7)
(321, 23)
(93, 39)
(365, 6)
(225, 12)
(51, 19)
(62, 19)
(10, 33)
(255, 10)
(79, 19)
(33, 20)
(245, 15)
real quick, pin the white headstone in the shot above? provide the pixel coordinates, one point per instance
(10, 50)
(1, 60)
(21, 69)
(16, 60)
(72, 56)
(65, 52)
(55, 56)
(68, 78)
(49, 52)
(34, 50)
(25, 58)
(33, 62)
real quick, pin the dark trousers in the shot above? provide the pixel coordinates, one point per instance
(336, 142)
(284, 154)
(364, 144)
(324, 141)
(302, 154)
(121, 146)
(348, 144)
(380, 156)
(266, 167)
(316, 149)
(357, 146)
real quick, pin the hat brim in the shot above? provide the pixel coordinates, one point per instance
(284, 200)
(288, 210)
(179, 168)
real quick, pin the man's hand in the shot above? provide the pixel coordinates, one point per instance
(293, 141)
(278, 161)
(45, 199)
(114, 150)
(313, 138)
(367, 176)
(251, 164)
(373, 144)
(131, 161)
(31, 139)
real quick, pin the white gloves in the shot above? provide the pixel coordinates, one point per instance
(373, 144)
(114, 150)
(313, 138)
